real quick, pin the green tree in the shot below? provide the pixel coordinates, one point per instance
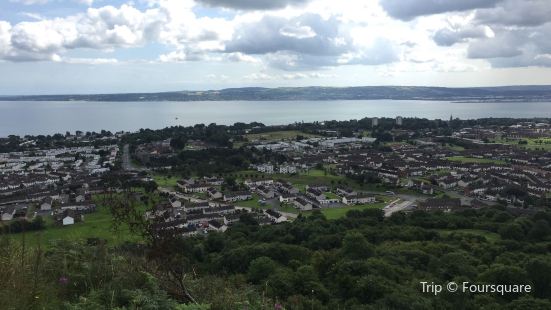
(260, 269)
(356, 246)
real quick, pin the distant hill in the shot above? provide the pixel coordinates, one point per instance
(493, 94)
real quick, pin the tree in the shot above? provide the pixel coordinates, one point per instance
(511, 231)
(356, 246)
(539, 271)
(540, 230)
(260, 269)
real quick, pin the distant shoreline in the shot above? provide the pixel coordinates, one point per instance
(473, 94)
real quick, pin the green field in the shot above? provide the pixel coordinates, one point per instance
(95, 225)
(454, 147)
(331, 195)
(532, 143)
(472, 160)
(251, 203)
(335, 213)
(313, 176)
(165, 181)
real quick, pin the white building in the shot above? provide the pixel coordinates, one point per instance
(399, 120)
(265, 168)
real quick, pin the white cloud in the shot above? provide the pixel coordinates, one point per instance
(517, 13)
(300, 38)
(90, 61)
(410, 9)
(252, 4)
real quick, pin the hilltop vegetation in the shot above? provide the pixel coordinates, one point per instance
(361, 261)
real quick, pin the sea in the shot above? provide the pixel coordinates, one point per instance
(49, 117)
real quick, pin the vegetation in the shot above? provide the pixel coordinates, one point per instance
(359, 261)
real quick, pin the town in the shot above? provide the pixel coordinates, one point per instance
(206, 178)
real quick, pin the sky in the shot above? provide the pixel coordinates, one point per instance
(114, 46)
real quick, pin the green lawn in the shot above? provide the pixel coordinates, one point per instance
(532, 143)
(95, 225)
(251, 203)
(311, 177)
(335, 213)
(490, 236)
(288, 208)
(165, 181)
(331, 195)
(472, 160)
(454, 147)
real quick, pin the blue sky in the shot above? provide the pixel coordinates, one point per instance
(101, 46)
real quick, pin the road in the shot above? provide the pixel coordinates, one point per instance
(396, 206)
(126, 161)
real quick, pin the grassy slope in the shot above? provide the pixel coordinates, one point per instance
(95, 225)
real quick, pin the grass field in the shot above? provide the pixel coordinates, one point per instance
(532, 143)
(313, 176)
(165, 181)
(335, 213)
(472, 160)
(454, 147)
(251, 203)
(95, 225)
(490, 236)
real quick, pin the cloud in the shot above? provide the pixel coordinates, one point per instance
(180, 55)
(504, 44)
(240, 57)
(515, 48)
(262, 76)
(409, 9)
(517, 13)
(306, 34)
(450, 36)
(103, 28)
(306, 42)
(5, 37)
(252, 4)
(259, 77)
(108, 28)
(381, 52)
(90, 61)
(312, 75)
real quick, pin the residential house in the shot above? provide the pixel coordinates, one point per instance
(440, 204)
(303, 204)
(237, 196)
(357, 199)
(214, 193)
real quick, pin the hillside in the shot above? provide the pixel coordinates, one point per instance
(505, 93)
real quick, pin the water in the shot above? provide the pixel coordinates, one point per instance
(30, 117)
